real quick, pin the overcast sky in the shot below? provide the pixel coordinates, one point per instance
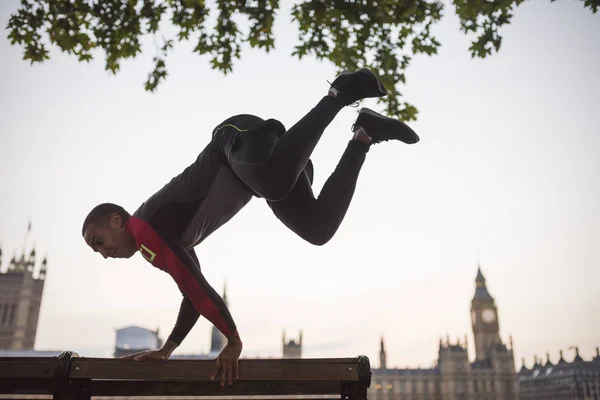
(507, 174)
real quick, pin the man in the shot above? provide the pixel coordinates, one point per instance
(246, 157)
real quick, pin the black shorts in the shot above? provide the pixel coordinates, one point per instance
(249, 139)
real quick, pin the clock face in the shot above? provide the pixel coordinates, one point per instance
(488, 316)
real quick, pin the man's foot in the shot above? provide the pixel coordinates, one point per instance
(350, 87)
(380, 128)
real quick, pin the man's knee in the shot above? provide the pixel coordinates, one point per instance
(274, 191)
(319, 239)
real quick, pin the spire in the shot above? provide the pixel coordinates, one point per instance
(382, 356)
(577, 356)
(26, 236)
(562, 359)
(479, 279)
(217, 339)
(31, 261)
(523, 366)
(0, 258)
(225, 294)
(481, 292)
(43, 269)
(548, 362)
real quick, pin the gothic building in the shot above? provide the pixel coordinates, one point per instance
(291, 349)
(490, 376)
(578, 379)
(21, 288)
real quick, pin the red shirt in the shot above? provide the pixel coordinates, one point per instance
(175, 261)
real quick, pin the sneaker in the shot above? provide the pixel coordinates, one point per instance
(353, 86)
(380, 128)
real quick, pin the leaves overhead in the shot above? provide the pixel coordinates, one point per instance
(384, 35)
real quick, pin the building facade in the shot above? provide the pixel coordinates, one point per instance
(575, 380)
(133, 339)
(291, 348)
(21, 289)
(490, 376)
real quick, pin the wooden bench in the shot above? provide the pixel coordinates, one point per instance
(69, 377)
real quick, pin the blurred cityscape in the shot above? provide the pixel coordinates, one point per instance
(490, 374)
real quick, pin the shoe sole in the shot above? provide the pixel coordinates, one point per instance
(382, 89)
(409, 136)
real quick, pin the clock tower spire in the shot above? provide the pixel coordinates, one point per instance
(484, 319)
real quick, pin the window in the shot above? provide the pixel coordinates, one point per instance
(508, 385)
(12, 314)
(378, 391)
(1, 314)
(5, 310)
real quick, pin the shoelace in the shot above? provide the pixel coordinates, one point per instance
(355, 104)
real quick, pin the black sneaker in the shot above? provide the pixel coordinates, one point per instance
(380, 128)
(353, 86)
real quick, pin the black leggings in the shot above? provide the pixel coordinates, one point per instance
(273, 164)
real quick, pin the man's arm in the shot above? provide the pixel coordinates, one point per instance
(186, 319)
(184, 268)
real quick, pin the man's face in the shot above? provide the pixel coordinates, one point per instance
(111, 239)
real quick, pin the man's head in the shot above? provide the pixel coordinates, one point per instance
(104, 231)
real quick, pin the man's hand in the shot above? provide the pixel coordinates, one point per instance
(161, 354)
(227, 361)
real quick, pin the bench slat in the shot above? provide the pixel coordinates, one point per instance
(26, 386)
(27, 368)
(201, 370)
(239, 388)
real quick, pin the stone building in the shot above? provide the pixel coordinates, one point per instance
(21, 288)
(133, 339)
(578, 379)
(291, 349)
(490, 376)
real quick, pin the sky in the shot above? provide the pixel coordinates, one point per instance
(506, 176)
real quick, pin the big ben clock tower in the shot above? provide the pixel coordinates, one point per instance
(484, 318)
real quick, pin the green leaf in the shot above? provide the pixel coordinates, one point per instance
(385, 35)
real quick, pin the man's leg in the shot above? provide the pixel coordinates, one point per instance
(271, 164)
(316, 220)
